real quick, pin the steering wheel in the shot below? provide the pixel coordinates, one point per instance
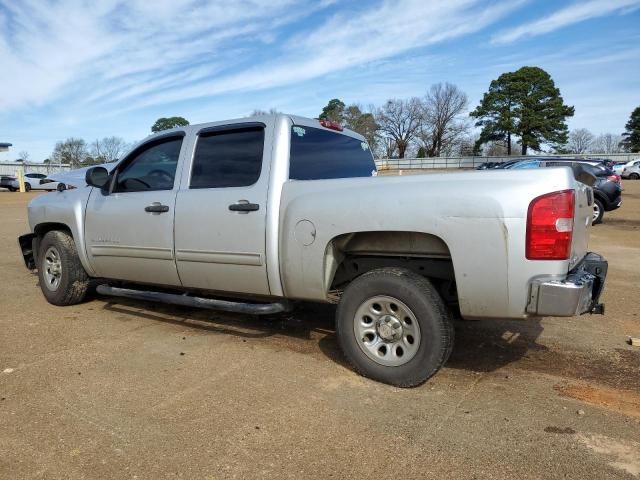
(161, 173)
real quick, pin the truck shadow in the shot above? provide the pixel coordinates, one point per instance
(486, 346)
(480, 346)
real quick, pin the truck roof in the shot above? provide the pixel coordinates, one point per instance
(272, 117)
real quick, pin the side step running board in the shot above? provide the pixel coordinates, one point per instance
(197, 302)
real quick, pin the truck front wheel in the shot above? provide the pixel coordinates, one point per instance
(63, 280)
(598, 212)
(393, 327)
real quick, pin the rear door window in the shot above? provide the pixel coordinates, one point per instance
(228, 158)
(321, 154)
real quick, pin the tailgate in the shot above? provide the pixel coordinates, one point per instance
(581, 222)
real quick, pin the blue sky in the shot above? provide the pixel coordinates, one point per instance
(91, 69)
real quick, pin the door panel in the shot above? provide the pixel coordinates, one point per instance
(218, 247)
(126, 242)
(129, 232)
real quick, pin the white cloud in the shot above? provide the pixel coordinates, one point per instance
(50, 49)
(350, 39)
(576, 13)
(118, 54)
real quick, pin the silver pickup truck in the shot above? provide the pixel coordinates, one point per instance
(249, 215)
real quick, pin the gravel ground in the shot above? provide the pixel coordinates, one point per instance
(123, 389)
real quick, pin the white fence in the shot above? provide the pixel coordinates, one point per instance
(10, 168)
(472, 162)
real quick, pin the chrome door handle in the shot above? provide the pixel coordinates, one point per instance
(244, 207)
(156, 207)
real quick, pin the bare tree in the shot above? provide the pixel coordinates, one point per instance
(72, 151)
(580, 140)
(607, 143)
(259, 113)
(109, 149)
(400, 120)
(443, 123)
(24, 156)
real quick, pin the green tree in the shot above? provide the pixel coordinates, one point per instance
(631, 136)
(527, 104)
(362, 122)
(165, 123)
(422, 152)
(334, 111)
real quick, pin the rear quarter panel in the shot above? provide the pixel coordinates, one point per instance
(481, 216)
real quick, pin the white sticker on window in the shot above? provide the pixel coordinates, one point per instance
(299, 131)
(364, 146)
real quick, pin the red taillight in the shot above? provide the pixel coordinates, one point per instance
(614, 178)
(332, 125)
(550, 226)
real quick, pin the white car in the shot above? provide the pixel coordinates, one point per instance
(33, 181)
(75, 178)
(632, 171)
(619, 168)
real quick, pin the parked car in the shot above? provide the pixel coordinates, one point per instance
(507, 164)
(632, 171)
(498, 165)
(619, 167)
(270, 209)
(76, 178)
(33, 181)
(6, 181)
(486, 165)
(607, 190)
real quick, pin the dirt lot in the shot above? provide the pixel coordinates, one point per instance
(120, 389)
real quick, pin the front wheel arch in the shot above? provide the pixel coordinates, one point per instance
(63, 280)
(42, 229)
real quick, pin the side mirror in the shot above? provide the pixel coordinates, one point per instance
(97, 177)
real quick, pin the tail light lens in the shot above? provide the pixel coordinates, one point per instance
(614, 178)
(550, 226)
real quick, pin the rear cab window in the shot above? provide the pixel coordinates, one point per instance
(318, 154)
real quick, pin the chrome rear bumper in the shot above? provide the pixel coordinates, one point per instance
(577, 293)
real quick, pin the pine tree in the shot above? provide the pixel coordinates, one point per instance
(524, 103)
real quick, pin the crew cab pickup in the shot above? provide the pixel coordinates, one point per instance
(252, 214)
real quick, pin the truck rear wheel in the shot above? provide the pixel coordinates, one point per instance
(393, 327)
(63, 280)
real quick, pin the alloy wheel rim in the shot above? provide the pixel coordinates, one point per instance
(387, 331)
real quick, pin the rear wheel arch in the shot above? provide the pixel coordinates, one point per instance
(601, 196)
(350, 255)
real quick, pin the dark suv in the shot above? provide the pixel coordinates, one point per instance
(607, 190)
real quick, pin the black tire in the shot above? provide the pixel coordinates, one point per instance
(600, 206)
(73, 282)
(432, 315)
(634, 176)
(27, 187)
(12, 189)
